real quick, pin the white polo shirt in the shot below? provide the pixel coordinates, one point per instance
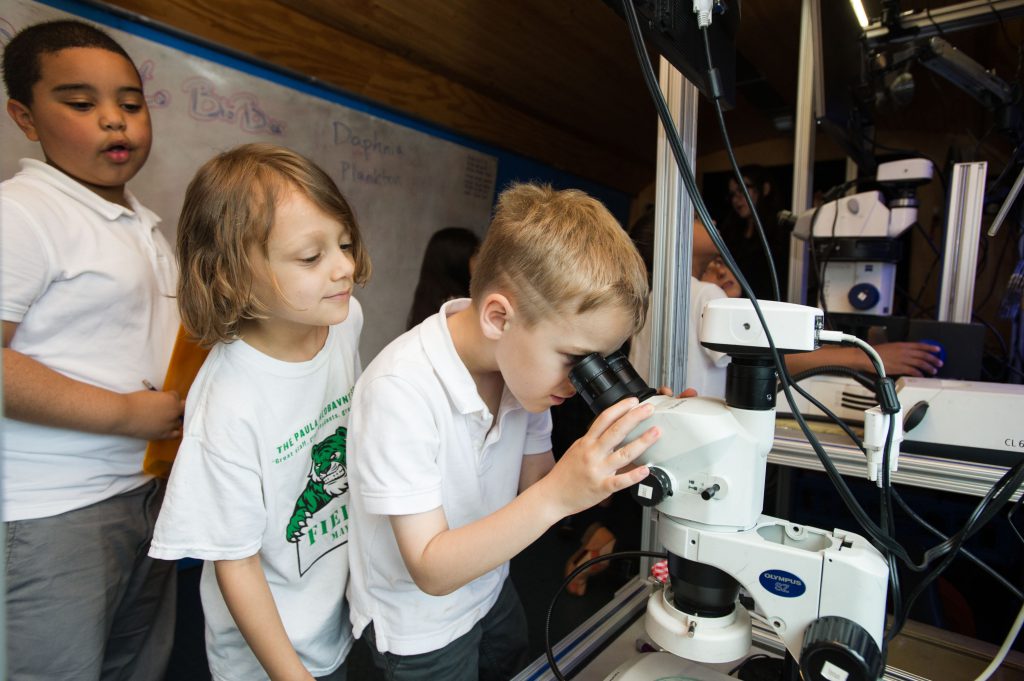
(420, 439)
(705, 368)
(91, 285)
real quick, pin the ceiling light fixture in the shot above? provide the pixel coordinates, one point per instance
(858, 9)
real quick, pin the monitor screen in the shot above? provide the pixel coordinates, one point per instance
(670, 28)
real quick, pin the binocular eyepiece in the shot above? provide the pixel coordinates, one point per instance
(604, 381)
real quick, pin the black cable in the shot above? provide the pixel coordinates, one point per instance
(994, 278)
(927, 278)
(922, 311)
(990, 504)
(995, 332)
(714, 87)
(1002, 26)
(964, 552)
(819, 268)
(548, 651)
(981, 260)
(909, 511)
(836, 370)
(832, 415)
(1009, 519)
(824, 263)
(938, 29)
(889, 525)
(928, 238)
(675, 144)
(1007, 365)
(819, 280)
(909, 152)
(1005, 172)
(746, 660)
(931, 268)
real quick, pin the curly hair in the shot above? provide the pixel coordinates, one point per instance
(22, 67)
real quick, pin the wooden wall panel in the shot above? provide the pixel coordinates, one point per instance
(569, 64)
(273, 32)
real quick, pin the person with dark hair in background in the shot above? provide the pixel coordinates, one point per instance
(444, 275)
(739, 231)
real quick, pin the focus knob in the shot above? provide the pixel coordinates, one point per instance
(653, 489)
(838, 648)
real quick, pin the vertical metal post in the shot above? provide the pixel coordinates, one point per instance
(673, 245)
(809, 103)
(963, 232)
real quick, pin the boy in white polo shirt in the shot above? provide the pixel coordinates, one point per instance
(450, 450)
(89, 317)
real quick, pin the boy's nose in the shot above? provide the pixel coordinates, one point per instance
(112, 120)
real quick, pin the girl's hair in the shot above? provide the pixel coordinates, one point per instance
(445, 271)
(757, 174)
(557, 253)
(229, 209)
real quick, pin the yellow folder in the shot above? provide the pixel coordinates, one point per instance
(186, 358)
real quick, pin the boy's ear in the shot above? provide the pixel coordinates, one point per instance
(22, 117)
(766, 188)
(495, 314)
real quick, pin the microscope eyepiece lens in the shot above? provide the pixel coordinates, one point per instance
(597, 383)
(637, 386)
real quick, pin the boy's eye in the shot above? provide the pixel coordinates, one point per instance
(80, 106)
(310, 260)
(131, 107)
(345, 245)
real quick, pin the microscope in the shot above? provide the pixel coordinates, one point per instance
(823, 593)
(854, 239)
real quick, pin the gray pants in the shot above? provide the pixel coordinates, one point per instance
(495, 649)
(84, 600)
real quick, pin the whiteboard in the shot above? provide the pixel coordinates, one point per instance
(402, 183)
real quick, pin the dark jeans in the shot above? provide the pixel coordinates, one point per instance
(495, 649)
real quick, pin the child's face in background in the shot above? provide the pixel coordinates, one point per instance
(535, 361)
(90, 117)
(308, 278)
(738, 201)
(719, 274)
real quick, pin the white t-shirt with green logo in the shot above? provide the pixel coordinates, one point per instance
(262, 469)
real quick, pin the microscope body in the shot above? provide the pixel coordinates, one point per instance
(707, 452)
(855, 239)
(823, 593)
(809, 585)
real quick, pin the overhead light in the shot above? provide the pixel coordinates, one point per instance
(858, 9)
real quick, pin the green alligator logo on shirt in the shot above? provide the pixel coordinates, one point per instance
(319, 522)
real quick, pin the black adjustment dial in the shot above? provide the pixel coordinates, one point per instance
(835, 647)
(708, 492)
(653, 489)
